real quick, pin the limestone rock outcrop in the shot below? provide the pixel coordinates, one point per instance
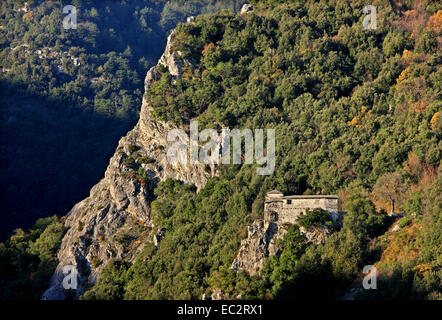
(262, 241)
(246, 8)
(259, 245)
(171, 60)
(280, 212)
(118, 208)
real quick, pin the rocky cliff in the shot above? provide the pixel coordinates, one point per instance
(115, 220)
(262, 242)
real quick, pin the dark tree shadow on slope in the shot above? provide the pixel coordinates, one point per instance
(51, 155)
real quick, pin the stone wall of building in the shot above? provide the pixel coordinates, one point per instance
(286, 209)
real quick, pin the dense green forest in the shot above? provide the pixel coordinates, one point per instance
(356, 113)
(67, 96)
(28, 259)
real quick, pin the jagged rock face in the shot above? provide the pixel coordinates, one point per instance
(317, 235)
(262, 240)
(99, 225)
(217, 294)
(170, 59)
(259, 245)
(246, 8)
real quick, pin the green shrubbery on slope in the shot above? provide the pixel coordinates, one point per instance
(28, 259)
(348, 105)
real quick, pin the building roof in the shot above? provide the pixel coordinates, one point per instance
(275, 192)
(278, 195)
(319, 196)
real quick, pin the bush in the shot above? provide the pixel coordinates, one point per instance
(110, 285)
(314, 218)
(95, 262)
(133, 148)
(28, 259)
(145, 160)
(80, 225)
(414, 204)
(404, 222)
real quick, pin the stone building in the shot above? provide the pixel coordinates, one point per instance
(280, 212)
(286, 209)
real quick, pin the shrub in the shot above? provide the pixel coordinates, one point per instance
(314, 218)
(133, 148)
(145, 159)
(414, 203)
(404, 222)
(95, 262)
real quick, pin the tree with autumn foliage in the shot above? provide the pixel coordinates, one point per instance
(390, 187)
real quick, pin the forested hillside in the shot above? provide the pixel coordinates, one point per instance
(356, 112)
(67, 96)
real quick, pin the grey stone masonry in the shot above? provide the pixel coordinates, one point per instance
(286, 209)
